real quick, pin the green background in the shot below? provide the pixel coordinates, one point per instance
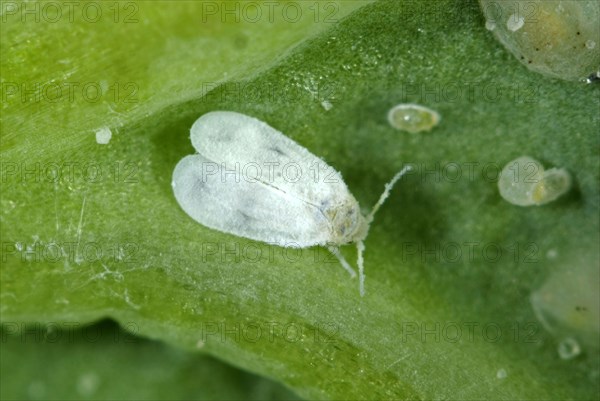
(106, 238)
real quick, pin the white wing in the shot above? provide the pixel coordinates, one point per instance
(240, 141)
(253, 210)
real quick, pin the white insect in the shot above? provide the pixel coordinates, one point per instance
(310, 207)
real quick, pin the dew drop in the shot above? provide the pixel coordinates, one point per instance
(551, 254)
(36, 390)
(87, 384)
(569, 348)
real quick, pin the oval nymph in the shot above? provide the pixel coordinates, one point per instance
(413, 118)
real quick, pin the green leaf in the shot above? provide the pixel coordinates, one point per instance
(450, 265)
(100, 362)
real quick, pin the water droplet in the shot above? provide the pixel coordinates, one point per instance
(490, 25)
(569, 348)
(36, 390)
(501, 374)
(590, 44)
(87, 384)
(551, 254)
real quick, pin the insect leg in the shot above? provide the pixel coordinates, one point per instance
(335, 251)
(360, 247)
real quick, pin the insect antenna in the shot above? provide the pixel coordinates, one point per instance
(386, 192)
(360, 245)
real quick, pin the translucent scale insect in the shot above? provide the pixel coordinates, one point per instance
(556, 38)
(525, 182)
(250, 180)
(413, 118)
